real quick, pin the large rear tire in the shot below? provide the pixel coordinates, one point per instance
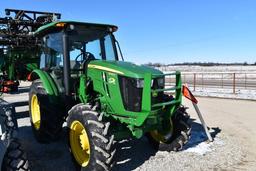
(15, 158)
(178, 136)
(91, 144)
(45, 118)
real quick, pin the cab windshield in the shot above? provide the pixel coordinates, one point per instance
(84, 43)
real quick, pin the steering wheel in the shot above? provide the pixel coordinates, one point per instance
(88, 56)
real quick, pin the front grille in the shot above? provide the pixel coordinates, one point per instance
(131, 93)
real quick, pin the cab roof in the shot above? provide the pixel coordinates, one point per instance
(59, 25)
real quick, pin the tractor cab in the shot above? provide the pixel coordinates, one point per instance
(68, 48)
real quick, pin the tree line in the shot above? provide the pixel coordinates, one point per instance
(203, 64)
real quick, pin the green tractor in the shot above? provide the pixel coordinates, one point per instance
(84, 81)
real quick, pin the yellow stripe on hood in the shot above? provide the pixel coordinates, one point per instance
(105, 69)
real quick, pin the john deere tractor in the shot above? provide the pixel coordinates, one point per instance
(84, 81)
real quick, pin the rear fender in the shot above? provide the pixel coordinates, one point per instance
(48, 83)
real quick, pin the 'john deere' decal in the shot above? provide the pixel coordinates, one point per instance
(112, 80)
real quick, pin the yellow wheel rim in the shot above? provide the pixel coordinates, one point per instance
(79, 143)
(35, 112)
(156, 135)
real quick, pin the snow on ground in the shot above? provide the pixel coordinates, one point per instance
(226, 93)
(217, 81)
(201, 148)
(185, 68)
(202, 145)
(222, 93)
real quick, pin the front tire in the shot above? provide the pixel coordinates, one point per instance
(45, 119)
(91, 144)
(180, 133)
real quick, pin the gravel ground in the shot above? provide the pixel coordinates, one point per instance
(232, 149)
(222, 154)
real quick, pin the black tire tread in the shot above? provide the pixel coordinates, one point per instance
(51, 124)
(101, 138)
(181, 135)
(15, 158)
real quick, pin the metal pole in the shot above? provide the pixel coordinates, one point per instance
(203, 122)
(194, 81)
(202, 80)
(245, 81)
(222, 80)
(234, 83)
(66, 65)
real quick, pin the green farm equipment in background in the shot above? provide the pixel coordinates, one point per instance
(83, 80)
(16, 65)
(19, 49)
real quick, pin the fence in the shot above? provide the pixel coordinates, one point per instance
(220, 80)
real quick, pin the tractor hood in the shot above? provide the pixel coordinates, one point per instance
(124, 68)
